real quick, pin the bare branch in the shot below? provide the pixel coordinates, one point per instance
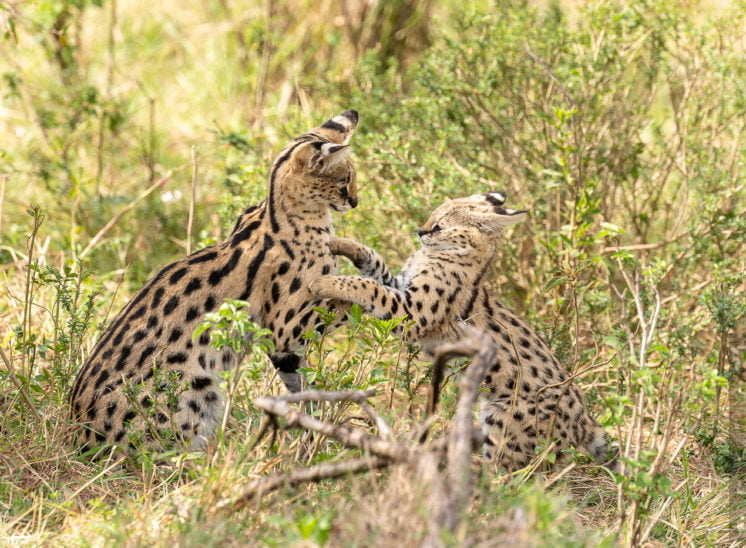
(347, 436)
(455, 492)
(356, 396)
(256, 488)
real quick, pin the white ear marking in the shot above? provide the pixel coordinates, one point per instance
(496, 198)
(328, 149)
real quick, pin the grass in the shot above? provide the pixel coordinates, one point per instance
(619, 125)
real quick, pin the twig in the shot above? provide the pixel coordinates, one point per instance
(28, 296)
(349, 437)
(129, 207)
(256, 488)
(642, 247)
(356, 396)
(193, 199)
(381, 425)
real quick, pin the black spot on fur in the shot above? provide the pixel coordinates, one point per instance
(139, 313)
(177, 357)
(145, 355)
(102, 378)
(191, 314)
(217, 275)
(193, 285)
(253, 269)
(176, 276)
(171, 305)
(123, 357)
(157, 297)
(175, 335)
(244, 233)
(295, 285)
(111, 408)
(200, 383)
(203, 257)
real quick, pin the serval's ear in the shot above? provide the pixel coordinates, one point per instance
(326, 155)
(317, 157)
(340, 128)
(490, 213)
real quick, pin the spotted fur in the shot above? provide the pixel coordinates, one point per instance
(528, 396)
(146, 378)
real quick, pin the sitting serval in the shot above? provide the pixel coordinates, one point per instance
(275, 249)
(528, 396)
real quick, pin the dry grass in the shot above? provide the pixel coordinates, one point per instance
(174, 78)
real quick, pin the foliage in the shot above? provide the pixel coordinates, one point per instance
(619, 124)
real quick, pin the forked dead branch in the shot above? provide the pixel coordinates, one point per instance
(451, 491)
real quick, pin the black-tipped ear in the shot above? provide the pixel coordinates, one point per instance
(343, 122)
(496, 198)
(340, 128)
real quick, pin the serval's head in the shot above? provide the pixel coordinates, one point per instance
(463, 225)
(315, 170)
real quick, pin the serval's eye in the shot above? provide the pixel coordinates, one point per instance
(435, 228)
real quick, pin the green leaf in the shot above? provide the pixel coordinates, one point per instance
(555, 282)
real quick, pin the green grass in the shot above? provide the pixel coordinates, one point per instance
(619, 125)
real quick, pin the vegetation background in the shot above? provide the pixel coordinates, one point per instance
(132, 132)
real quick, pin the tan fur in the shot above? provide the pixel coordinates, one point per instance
(146, 379)
(528, 396)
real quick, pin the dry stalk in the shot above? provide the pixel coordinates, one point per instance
(356, 396)
(256, 488)
(19, 385)
(192, 199)
(129, 207)
(347, 436)
(452, 495)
